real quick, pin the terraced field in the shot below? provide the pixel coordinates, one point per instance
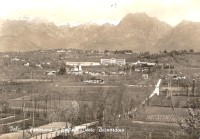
(164, 118)
(166, 111)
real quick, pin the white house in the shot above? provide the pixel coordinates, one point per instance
(27, 65)
(113, 61)
(15, 59)
(94, 81)
(60, 51)
(77, 70)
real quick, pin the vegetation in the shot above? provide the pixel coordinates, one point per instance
(64, 97)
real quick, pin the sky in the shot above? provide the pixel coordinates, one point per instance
(100, 11)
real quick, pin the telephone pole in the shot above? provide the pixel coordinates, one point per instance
(24, 119)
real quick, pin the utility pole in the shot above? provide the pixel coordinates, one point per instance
(193, 87)
(187, 90)
(150, 136)
(149, 95)
(169, 83)
(24, 120)
(130, 69)
(32, 101)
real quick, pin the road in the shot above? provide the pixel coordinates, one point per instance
(63, 131)
(103, 86)
(33, 109)
(19, 134)
(19, 121)
(155, 123)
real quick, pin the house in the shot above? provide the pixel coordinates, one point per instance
(113, 61)
(175, 76)
(147, 64)
(51, 72)
(60, 51)
(39, 65)
(77, 70)
(151, 64)
(145, 76)
(15, 59)
(143, 66)
(139, 63)
(5, 56)
(94, 81)
(27, 65)
(168, 66)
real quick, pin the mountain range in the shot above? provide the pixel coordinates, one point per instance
(137, 32)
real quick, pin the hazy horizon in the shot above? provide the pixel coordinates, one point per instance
(93, 11)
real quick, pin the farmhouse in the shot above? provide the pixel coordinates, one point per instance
(50, 72)
(143, 63)
(143, 66)
(77, 70)
(27, 65)
(94, 81)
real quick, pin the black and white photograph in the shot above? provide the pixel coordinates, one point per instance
(99, 69)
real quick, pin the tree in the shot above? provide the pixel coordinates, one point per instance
(132, 104)
(99, 110)
(190, 124)
(4, 105)
(123, 99)
(106, 51)
(191, 51)
(111, 111)
(46, 98)
(85, 114)
(62, 71)
(69, 113)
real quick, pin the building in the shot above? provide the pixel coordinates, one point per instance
(143, 66)
(113, 61)
(60, 51)
(77, 70)
(94, 81)
(145, 76)
(51, 72)
(83, 63)
(143, 63)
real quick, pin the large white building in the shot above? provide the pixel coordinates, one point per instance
(83, 63)
(113, 61)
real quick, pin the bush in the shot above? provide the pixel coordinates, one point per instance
(62, 71)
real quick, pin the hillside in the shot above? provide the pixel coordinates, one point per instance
(183, 36)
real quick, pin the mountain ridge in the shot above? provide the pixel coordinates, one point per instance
(137, 32)
(182, 36)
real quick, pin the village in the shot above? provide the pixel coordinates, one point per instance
(60, 89)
